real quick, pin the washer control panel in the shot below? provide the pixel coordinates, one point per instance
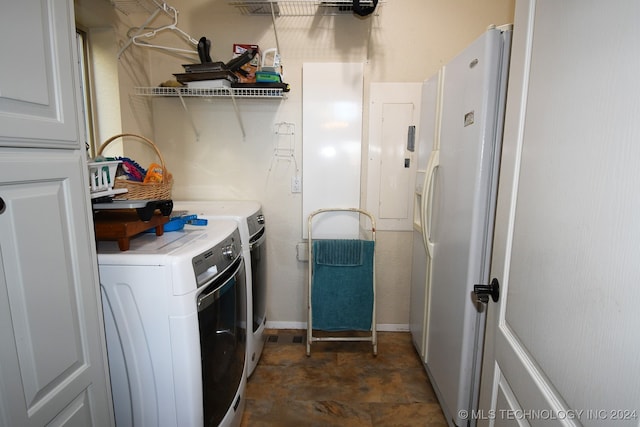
(216, 260)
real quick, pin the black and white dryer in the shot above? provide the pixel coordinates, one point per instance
(251, 223)
(175, 322)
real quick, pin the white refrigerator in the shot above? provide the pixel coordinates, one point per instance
(457, 208)
(426, 151)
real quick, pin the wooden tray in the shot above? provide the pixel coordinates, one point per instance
(122, 225)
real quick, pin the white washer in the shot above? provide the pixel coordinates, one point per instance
(251, 222)
(175, 321)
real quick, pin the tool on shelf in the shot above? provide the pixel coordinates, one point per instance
(271, 69)
(204, 48)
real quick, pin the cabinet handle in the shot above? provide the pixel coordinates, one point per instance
(2, 205)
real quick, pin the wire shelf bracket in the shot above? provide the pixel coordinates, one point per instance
(232, 93)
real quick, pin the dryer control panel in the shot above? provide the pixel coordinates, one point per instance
(213, 262)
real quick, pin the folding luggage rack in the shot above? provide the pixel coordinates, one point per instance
(341, 286)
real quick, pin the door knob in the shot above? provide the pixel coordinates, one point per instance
(484, 291)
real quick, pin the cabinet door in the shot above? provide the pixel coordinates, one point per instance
(52, 348)
(52, 357)
(38, 105)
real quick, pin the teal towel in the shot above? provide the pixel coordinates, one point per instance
(342, 285)
(338, 252)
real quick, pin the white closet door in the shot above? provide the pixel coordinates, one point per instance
(52, 352)
(562, 342)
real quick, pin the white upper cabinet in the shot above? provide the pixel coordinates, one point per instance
(37, 96)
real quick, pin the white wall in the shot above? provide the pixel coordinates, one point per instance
(407, 42)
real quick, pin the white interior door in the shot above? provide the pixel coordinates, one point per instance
(562, 342)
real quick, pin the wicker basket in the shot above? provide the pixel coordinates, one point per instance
(138, 190)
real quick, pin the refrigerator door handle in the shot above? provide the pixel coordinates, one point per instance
(427, 200)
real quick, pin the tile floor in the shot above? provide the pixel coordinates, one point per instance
(340, 384)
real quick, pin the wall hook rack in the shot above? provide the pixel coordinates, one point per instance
(285, 143)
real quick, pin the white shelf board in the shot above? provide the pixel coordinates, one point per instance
(220, 92)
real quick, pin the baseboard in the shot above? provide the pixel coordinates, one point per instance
(383, 327)
(285, 325)
(393, 327)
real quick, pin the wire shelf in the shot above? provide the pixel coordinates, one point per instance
(271, 93)
(297, 7)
